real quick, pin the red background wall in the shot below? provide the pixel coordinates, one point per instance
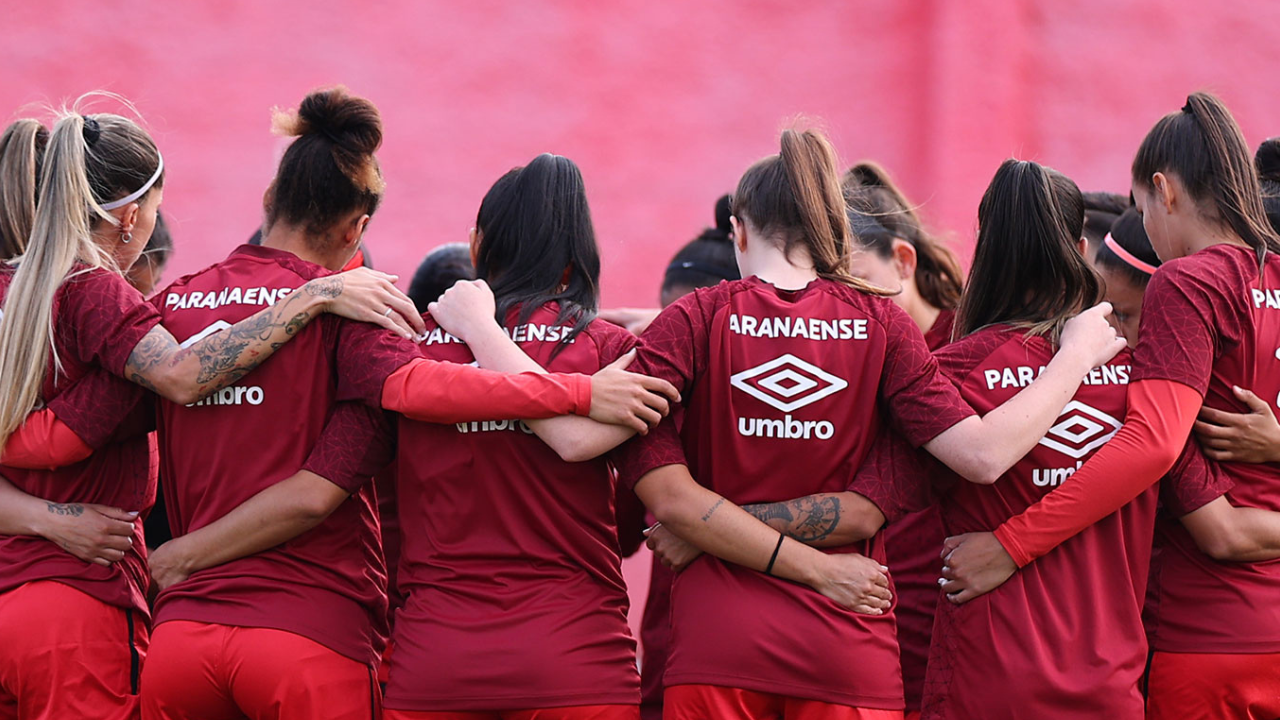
(662, 104)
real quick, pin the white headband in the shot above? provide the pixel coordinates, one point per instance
(140, 192)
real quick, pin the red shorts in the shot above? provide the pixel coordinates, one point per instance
(65, 654)
(577, 712)
(1202, 686)
(384, 667)
(699, 702)
(199, 670)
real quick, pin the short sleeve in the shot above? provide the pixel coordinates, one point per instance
(1193, 482)
(643, 454)
(100, 407)
(355, 445)
(895, 476)
(921, 401)
(1184, 317)
(368, 355)
(106, 318)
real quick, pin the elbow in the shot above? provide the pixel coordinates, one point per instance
(1223, 545)
(313, 510)
(574, 452)
(984, 470)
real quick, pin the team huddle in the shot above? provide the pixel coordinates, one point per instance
(874, 487)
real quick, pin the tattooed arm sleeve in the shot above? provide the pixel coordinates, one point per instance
(822, 520)
(187, 375)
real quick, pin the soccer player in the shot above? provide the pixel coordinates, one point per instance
(758, 360)
(1209, 324)
(515, 602)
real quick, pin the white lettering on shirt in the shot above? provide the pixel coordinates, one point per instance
(807, 328)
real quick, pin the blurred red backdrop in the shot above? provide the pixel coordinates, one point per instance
(662, 104)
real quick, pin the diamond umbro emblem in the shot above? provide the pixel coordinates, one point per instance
(1081, 429)
(788, 383)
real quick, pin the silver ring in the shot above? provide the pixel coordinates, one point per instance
(387, 313)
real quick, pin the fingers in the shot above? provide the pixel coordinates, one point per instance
(1216, 416)
(647, 415)
(951, 543)
(1255, 403)
(866, 610)
(401, 304)
(1220, 455)
(1102, 309)
(659, 386)
(115, 514)
(950, 587)
(963, 596)
(1212, 432)
(622, 362)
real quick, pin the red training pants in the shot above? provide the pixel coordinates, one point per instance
(699, 702)
(1204, 686)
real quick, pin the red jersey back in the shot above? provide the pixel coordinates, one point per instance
(1063, 636)
(784, 393)
(512, 577)
(1210, 321)
(327, 584)
(98, 320)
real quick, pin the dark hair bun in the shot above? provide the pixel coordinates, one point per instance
(1268, 159)
(351, 124)
(723, 212)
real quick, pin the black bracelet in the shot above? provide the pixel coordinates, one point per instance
(768, 569)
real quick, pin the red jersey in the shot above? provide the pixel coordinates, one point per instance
(328, 584)
(1211, 321)
(784, 392)
(513, 581)
(913, 546)
(98, 320)
(1063, 637)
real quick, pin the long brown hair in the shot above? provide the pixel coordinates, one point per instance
(1027, 271)
(90, 160)
(1203, 146)
(796, 195)
(21, 157)
(870, 190)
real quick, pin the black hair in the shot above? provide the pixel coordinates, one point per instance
(1100, 210)
(707, 259)
(440, 269)
(1127, 232)
(329, 171)
(1267, 161)
(161, 245)
(538, 245)
(1027, 270)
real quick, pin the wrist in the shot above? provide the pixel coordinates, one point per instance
(812, 567)
(483, 334)
(1075, 363)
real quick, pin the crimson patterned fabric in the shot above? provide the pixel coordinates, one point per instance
(784, 393)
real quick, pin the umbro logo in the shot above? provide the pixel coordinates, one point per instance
(788, 383)
(1080, 430)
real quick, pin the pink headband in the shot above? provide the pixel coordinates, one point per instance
(1127, 256)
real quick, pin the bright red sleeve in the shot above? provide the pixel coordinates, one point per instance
(1156, 427)
(44, 442)
(445, 392)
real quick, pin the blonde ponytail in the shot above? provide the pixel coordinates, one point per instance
(21, 155)
(74, 183)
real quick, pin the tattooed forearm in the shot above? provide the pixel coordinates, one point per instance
(159, 364)
(713, 509)
(808, 519)
(330, 287)
(71, 509)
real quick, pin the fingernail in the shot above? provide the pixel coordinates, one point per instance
(942, 581)
(133, 514)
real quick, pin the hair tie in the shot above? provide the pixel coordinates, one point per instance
(92, 130)
(1187, 108)
(702, 268)
(1128, 257)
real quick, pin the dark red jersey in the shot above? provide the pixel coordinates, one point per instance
(509, 562)
(1062, 638)
(1210, 321)
(784, 393)
(98, 320)
(327, 584)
